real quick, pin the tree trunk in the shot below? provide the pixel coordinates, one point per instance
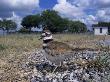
(3, 32)
(29, 30)
(7, 30)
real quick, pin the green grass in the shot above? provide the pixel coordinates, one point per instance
(2, 47)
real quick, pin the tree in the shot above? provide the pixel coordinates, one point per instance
(56, 23)
(101, 24)
(36, 21)
(23, 30)
(8, 25)
(77, 27)
(0, 24)
(27, 22)
(53, 21)
(31, 21)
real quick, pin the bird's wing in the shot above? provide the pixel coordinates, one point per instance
(58, 47)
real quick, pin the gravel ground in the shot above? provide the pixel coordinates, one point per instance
(79, 69)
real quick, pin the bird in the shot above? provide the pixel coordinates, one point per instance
(57, 52)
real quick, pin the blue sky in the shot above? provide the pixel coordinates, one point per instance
(47, 4)
(87, 11)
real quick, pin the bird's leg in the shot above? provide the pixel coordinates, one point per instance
(60, 63)
(54, 69)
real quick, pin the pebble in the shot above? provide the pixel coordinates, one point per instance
(42, 71)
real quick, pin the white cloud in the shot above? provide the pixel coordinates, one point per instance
(61, 1)
(0, 18)
(104, 1)
(17, 19)
(90, 19)
(18, 6)
(101, 13)
(87, 11)
(15, 9)
(67, 9)
(101, 3)
(80, 3)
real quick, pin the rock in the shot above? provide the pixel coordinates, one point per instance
(39, 69)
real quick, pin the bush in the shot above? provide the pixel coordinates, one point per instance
(23, 30)
(2, 47)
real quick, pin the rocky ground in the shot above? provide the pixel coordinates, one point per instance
(20, 63)
(89, 66)
(83, 66)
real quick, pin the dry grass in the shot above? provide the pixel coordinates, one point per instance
(80, 41)
(12, 48)
(17, 44)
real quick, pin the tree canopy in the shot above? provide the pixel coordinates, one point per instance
(53, 21)
(102, 24)
(31, 21)
(7, 25)
(77, 27)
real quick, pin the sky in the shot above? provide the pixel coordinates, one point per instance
(86, 11)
